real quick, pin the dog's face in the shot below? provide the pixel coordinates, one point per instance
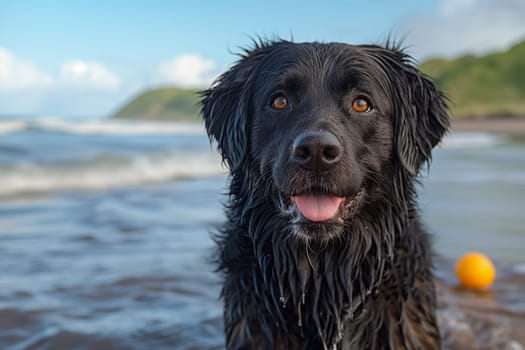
(321, 130)
(324, 126)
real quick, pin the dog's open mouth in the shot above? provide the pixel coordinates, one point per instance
(322, 207)
(318, 207)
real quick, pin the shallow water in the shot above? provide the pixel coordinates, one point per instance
(473, 197)
(126, 268)
(120, 259)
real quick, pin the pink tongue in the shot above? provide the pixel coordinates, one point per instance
(318, 207)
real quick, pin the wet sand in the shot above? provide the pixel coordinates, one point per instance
(468, 321)
(507, 125)
(480, 320)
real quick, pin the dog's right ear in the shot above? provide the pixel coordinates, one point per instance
(421, 113)
(225, 107)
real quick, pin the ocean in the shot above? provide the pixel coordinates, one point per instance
(105, 244)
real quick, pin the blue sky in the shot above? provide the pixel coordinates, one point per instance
(85, 58)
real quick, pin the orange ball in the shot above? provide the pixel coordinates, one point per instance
(475, 270)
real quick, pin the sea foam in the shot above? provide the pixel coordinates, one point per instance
(472, 140)
(101, 127)
(106, 171)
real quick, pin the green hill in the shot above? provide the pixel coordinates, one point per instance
(164, 103)
(490, 85)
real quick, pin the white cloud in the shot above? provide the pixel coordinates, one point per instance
(451, 7)
(90, 75)
(466, 26)
(186, 71)
(16, 74)
(76, 87)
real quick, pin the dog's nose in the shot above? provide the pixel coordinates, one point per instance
(318, 150)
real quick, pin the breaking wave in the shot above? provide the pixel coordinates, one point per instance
(472, 140)
(106, 171)
(102, 127)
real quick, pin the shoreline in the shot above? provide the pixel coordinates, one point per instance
(506, 125)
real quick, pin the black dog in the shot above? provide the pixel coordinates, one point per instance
(323, 247)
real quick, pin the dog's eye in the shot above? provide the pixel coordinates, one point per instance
(360, 105)
(279, 102)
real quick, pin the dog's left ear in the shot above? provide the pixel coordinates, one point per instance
(225, 109)
(421, 116)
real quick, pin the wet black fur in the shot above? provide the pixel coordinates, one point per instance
(367, 284)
